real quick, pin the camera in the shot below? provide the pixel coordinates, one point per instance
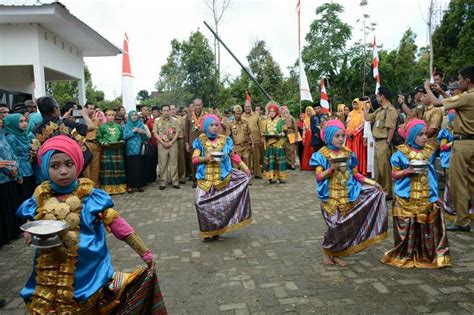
(76, 113)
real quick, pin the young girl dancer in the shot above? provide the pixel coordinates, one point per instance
(77, 277)
(355, 213)
(420, 238)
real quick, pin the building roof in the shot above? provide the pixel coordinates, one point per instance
(56, 18)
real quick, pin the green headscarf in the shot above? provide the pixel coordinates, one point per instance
(137, 124)
(11, 123)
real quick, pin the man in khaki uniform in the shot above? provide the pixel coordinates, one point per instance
(192, 130)
(433, 118)
(461, 169)
(292, 131)
(181, 147)
(239, 131)
(165, 130)
(384, 121)
(254, 123)
(92, 171)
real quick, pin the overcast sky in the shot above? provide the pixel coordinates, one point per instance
(152, 24)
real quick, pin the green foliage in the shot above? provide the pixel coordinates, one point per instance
(143, 95)
(189, 73)
(453, 40)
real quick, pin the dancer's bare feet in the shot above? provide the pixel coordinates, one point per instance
(218, 238)
(327, 260)
(340, 262)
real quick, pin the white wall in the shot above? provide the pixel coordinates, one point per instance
(31, 44)
(58, 54)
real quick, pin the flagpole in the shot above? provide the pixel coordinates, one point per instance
(299, 43)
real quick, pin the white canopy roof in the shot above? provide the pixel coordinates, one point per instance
(56, 18)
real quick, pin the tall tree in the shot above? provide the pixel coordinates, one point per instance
(325, 53)
(453, 40)
(189, 72)
(266, 71)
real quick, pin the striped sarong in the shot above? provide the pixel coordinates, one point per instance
(112, 170)
(225, 210)
(366, 223)
(133, 294)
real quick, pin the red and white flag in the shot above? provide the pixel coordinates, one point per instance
(128, 93)
(324, 99)
(375, 65)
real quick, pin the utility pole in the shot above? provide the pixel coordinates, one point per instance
(363, 4)
(430, 36)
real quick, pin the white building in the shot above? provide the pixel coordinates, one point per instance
(41, 43)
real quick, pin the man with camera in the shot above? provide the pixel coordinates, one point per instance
(461, 168)
(53, 124)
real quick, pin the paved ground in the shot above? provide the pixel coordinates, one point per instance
(271, 267)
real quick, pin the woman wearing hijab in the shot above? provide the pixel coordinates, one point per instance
(112, 176)
(222, 197)
(16, 131)
(77, 276)
(352, 206)
(135, 134)
(308, 150)
(355, 135)
(274, 133)
(419, 231)
(9, 199)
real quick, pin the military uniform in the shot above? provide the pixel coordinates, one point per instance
(383, 119)
(290, 148)
(181, 150)
(433, 117)
(166, 130)
(239, 131)
(256, 157)
(92, 171)
(192, 130)
(461, 168)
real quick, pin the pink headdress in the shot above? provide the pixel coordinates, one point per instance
(403, 131)
(332, 123)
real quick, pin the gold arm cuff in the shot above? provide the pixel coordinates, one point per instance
(196, 153)
(243, 167)
(136, 243)
(369, 181)
(109, 215)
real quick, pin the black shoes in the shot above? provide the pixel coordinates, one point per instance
(458, 228)
(195, 184)
(162, 187)
(3, 302)
(177, 186)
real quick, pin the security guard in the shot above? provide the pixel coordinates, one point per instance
(461, 169)
(384, 121)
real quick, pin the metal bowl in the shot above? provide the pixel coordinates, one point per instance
(418, 164)
(45, 233)
(217, 156)
(342, 161)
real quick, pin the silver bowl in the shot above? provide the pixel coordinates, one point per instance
(217, 156)
(45, 233)
(340, 162)
(418, 165)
